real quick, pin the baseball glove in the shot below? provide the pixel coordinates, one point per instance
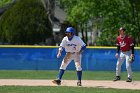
(131, 59)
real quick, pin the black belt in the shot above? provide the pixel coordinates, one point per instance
(72, 52)
(125, 51)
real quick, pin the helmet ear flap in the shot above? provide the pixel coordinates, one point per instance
(72, 33)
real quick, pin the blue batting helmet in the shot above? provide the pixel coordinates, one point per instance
(70, 30)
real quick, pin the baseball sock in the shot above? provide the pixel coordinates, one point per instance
(79, 75)
(61, 72)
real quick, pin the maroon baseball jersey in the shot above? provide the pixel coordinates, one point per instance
(125, 43)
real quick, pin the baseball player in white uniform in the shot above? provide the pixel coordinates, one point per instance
(74, 46)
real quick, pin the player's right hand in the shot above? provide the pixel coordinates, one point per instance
(58, 55)
(116, 55)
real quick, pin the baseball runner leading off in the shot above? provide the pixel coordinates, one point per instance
(126, 47)
(74, 46)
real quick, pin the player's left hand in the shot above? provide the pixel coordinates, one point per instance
(132, 58)
(80, 52)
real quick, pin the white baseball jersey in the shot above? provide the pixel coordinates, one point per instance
(73, 45)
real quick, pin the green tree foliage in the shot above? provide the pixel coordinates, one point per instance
(116, 14)
(135, 4)
(25, 23)
(5, 2)
(106, 17)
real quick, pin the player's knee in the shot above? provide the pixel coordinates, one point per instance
(63, 66)
(128, 67)
(78, 68)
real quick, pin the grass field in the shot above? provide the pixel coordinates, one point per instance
(59, 89)
(70, 75)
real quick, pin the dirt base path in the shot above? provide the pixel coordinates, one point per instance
(85, 83)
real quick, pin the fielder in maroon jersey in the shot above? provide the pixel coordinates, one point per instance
(125, 46)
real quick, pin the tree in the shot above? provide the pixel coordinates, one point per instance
(135, 4)
(79, 13)
(25, 23)
(106, 17)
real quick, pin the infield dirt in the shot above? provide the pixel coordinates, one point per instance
(85, 83)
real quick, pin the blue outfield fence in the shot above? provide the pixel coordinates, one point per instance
(44, 58)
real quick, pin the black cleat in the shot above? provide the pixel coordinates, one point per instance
(129, 80)
(79, 83)
(58, 82)
(117, 78)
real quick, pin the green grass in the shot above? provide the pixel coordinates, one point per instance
(4, 2)
(60, 89)
(71, 75)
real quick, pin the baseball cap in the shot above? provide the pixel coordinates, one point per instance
(121, 28)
